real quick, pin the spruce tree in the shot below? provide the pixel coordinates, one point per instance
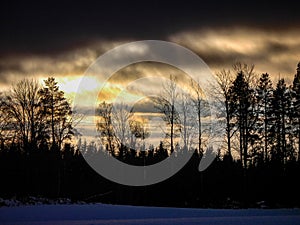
(264, 107)
(296, 108)
(280, 129)
(58, 112)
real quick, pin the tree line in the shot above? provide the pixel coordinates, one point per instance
(259, 158)
(262, 119)
(260, 122)
(125, 135)
(34, 117)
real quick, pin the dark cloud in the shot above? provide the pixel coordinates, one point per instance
(271, 51)
(72, 62)
(47, 27)
(53, 36)
(273, 47)
(153, 71)
(146, 105)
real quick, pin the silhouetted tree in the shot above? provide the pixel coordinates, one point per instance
(22, 105)
(265, 109)
(56, 108)
(223, 95)
(166, 105)
(6, 131)
(138, 131)
(243, 111)
(201, 109)
(266, 120)
(296, 108)
(281, 126)
(104, 125)
(188, 124)
(120, 117)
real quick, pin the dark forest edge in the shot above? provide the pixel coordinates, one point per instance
(262, 126)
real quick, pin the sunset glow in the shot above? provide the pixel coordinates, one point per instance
(276, 52)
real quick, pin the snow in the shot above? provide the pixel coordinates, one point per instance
(116, 214)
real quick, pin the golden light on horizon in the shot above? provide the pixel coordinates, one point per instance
(116, 92)
(70, 84)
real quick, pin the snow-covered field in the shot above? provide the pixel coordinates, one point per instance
(115, 214)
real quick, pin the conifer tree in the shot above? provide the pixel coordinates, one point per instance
(56, 108)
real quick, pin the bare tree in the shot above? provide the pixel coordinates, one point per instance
(166, 105)
(138, 131)
(200, 106)
(104, 125)
(120, 121)
(23, 107)
(222, 94)
(5, 121)
(187, 119)
(248, 71)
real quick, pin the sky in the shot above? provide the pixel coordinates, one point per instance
(39, 39)
(62, 39)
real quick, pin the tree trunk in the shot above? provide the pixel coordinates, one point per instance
(265, 131)
(172, 129)
(199, 130)
(228, 129)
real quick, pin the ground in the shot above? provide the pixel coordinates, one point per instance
(85, 214)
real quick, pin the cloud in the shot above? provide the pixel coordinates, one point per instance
(271, 51)
(68, 63)
(149, 75)
(274, 51)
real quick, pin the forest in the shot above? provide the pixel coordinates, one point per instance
(257, 163)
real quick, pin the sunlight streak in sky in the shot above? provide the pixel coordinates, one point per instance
(276, 52)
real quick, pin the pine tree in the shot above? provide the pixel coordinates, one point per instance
(58, 112)
(296, 108)
(280, 131)
(264, 107)
(244, 115)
